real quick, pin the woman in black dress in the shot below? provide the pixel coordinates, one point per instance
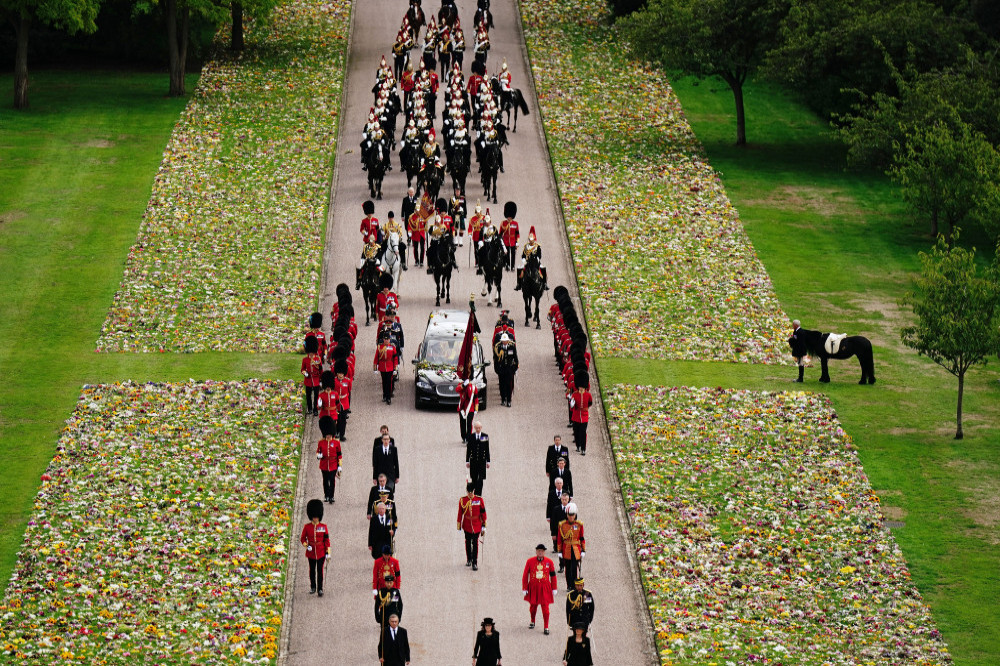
(487, 650)
(578, 647)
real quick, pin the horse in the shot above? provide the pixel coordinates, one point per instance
(490, 164)
(483, 11)
(375, 162)
(458, 166)
(415, 15)
(430, 180)
(512, 99)
(808, 342)
(532, 287)
(369, 288)
(492, 259)
(409, 161)
(448, 15)
(391, 264)
(439, 254)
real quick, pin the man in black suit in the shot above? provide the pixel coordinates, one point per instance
(409, 205)
(380, 492)
(383, 431)
(385, 460)
(477, 456)
(393, 645)
(555, 514)
(561, 472)
(553, 454)
(381, 529)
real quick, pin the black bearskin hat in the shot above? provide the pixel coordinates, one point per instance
(314, 509)
(441, 204)
(340, 365)
(315, 320)
(327, 379)
(346, 311)
(509, 209)
(385, 281)
(342, 291)
(582, 380)
(312, 345)
(557, 293)
(368, 207)
(479, 68)
(327, 425)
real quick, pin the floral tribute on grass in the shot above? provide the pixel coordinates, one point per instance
(229, 250)
(759, 537)
(161, 528)
(664, 265)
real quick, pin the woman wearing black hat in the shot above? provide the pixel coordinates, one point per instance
(487, 649)
(578, 647)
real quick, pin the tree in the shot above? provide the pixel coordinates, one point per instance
(949, 174)
(957, 313)
(178, 15)
(69, 15)
(257, 9)
(724, 38)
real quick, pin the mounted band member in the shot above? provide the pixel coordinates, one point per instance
(530, 249)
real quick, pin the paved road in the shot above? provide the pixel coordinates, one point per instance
(445, 601)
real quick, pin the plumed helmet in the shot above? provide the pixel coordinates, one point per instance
(502, 67)
(571, 509)
(327, 379)
(340, 365)
(368, 207)
(531, 233)
(315, 320)
(504, 337)
(479, 207)
(314, 509)
(312, 345)
(385, 281)
(510, 209)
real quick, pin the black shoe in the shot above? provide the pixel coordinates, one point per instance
(389, 401)
(531, 625)
(545, 631)
(475, 567)
(312, 590)
(502, 171)
(364, 168)
(546, 287)
(320, 593)
(405, 268)
(561, 569)
(797, 381)
(583, 453)
(468, 563)
(479, 271)
(517, 288)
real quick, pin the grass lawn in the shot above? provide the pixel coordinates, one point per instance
(841, 249)
(76, 171)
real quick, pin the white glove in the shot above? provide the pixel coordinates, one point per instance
(309, 548)
(582, 555)
(525, 592)
(374, 592)
(319, 402)
(555, 593)
(305, 374)
(319, 456)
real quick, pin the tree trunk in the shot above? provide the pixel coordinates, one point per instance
(961, 390)
(934, 225)
(21, 26)
(236, 40)
(177, 38)
(736, 84)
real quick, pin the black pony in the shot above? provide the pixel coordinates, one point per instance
(532, 287)
(492, 260)
(510, 100)
(806, 342)
(440, 257)
(490, 165)
(376, 164)
(370, 288)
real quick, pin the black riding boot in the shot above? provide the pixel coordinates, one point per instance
(357, 281)
(802, 372)
(520, 277)
(545, 279)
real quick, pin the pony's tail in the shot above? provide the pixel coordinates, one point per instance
(522, 105)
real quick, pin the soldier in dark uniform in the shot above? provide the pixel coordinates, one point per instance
(388, 601)
(579, 605)
(380, 492)
(505, 353)
(477, 456)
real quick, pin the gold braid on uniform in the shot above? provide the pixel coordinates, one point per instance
(575, 605)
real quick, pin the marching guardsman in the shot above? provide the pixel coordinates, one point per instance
(472, 521)
(388, 601)
(391, 324)
(474, 81)
(510, 233)
(329, 454)
(342, 387)
(580, 402)
(539, 585)
(468, 405)
(385, 363)
(381, 531)
(505, 352)
(387, 565)
(327, 400)
(315, 331)
(316, 539)
(386, 297)
(370, 252)
(456, 210)
(369, 223)
(312, 373)
(504, 77)
(407, 82)
(579, 605)
(393, 225)
(475, 227)
(572, 544)
(532, 248)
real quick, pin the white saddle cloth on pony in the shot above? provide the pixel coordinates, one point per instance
(833, 341)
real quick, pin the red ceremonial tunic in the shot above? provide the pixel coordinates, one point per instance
(385, 358)
(570, 541)
(435, 82)
(415, 225)
(312, 368)
(473, 86)
(318, 537)
(369, 226)
(328, 400)
(406, 81)
(448, 222)
(509, 232)
(383, 567)
(539, 579)
(476, 228)
(382, 300)
(342, 387)
(580, 411)
(329, 448)
(350, 366)
(320, 339)
(471, 514)
(467, 399)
